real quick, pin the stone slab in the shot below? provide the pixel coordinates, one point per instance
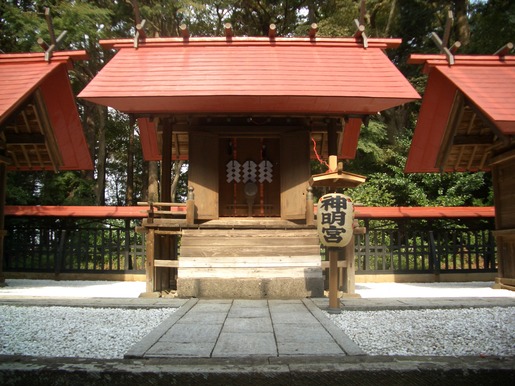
(248, 312)
(248, 324)
(183, 333)
(245, 344)
(163, 349)
(204, 318)
(301, 333)
(293, 318)
(309, 348)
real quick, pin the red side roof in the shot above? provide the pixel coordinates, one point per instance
(488, 82)
(250, 75)
(21, 75)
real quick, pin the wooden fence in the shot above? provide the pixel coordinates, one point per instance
(70, 241)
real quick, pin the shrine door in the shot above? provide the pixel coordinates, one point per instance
(249, 184)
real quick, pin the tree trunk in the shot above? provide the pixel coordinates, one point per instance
(391, 16)
(130, 164)
(176, 170)
(101, 156)
(153, 181)
(396, 120)
(90, 112)
(462, 27)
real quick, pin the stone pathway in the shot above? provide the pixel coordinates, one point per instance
(245, 328)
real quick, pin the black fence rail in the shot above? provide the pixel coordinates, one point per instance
(112, 246)
(411, 247)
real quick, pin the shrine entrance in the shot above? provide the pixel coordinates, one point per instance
(249, 179)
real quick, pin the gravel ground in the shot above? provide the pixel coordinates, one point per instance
(449, 332)
(109, 333)
(75, 332)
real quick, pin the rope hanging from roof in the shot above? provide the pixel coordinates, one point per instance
(323, 162)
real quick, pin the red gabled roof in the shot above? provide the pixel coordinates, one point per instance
(487, 83)
(21, 75)
(250, 75)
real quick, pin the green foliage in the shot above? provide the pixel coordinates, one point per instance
(383, 144)
(48, 188)
(492, 25)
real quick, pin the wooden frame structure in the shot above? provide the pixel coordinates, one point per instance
(467, 123)
(248, 114)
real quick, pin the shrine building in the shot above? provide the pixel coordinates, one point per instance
(248, 113)
(467, 124)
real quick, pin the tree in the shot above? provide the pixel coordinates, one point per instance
(383, 145)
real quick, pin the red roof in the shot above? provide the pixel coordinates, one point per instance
(21, 75)
(250, 75)
(487, 83)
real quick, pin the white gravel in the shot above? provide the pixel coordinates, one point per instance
(109, 333)
(435, 332)
(75, 332)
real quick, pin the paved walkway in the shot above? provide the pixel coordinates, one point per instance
(245, 328)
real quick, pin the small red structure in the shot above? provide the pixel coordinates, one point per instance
(245, 112)
(40, 127)
(467, 123)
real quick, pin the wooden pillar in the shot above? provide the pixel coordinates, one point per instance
(334, 301)
(165, 243)
(149, 263)
(166, 163)
(332, 138)
(310, 212)
(349, 280)
(3, 187)
(190, 206)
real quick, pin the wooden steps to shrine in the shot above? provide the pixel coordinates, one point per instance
(257, 263)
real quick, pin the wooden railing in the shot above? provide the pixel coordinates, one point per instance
(172, 209)
(103, 239)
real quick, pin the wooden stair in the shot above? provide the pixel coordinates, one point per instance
(252, 258)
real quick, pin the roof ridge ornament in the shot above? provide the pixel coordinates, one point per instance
(229, 33)
(313, 29)
(49, 49)
(184, 32)
(272, 31)
(140, 33)
(442, 44)
(360, 33)
(504, 50)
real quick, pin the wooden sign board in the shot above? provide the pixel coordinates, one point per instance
(335, 218)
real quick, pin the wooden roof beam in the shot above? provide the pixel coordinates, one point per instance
(442, 48)
(140, 33)
(469, 140)
(504, 50)
(455, 47)
(228, 31)
(272, 31)
(50, 25)
(447, 30)
(183, 30)
(360, 33)
(54, 46)
(44, 45)
(313, 29)
(455, 118)
(24, 138)
(55, 41)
